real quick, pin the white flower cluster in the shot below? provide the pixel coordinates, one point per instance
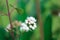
(29, 24)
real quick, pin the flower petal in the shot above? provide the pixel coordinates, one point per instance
(24, 27)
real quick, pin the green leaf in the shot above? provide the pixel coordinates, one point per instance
(19, 10)
(47, 28)
(2, 33)
(26, 35)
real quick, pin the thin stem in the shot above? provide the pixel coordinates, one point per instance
(40, 23)
(8, 13)
(12, 34)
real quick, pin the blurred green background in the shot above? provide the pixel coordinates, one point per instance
(29, 10)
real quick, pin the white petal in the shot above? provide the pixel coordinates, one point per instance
(8, 27)
(23, 24)
(27, 29)
(33, 27)
(24, 27)
(34, 24)
(33, 19)
(31, 22)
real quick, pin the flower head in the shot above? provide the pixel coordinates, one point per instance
(32, 26)
(24, 27)
(31, 22)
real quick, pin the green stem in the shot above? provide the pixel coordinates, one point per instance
(12, 34)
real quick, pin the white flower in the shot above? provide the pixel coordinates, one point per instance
(30, 20)
(24, 27)
(30, 24)
(8, 27)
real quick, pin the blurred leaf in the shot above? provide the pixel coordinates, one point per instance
(19, 10)
(2, 33)
(26, 35)
(47, 28)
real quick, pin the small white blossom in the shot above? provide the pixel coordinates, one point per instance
(31, 22)
(8, 27)
(24, 27)
(31, 19)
